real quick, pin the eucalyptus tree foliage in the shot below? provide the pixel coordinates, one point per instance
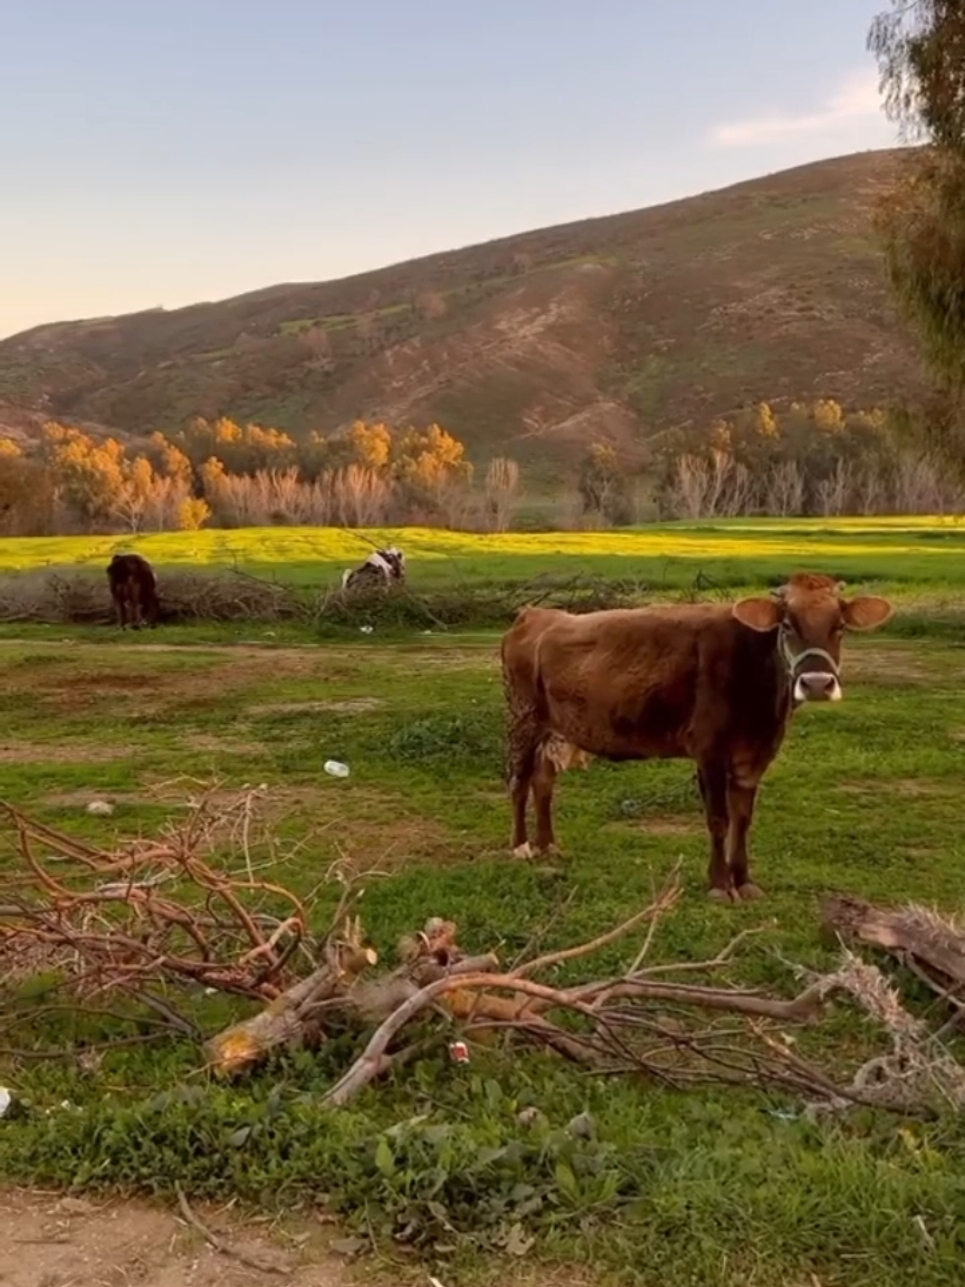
(920, 49)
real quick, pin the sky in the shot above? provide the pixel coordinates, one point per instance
(162, 152)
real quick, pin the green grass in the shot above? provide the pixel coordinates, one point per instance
(915, 552)
(677, 1187)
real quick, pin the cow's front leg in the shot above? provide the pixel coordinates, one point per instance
(713, 788)
(740, 805)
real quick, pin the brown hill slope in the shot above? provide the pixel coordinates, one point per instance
(612, 327)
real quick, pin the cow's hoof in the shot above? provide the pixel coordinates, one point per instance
(749, 892)
(722, 895)
(523, 851)
(549, 851)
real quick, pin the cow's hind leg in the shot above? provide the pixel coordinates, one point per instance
(522, 763)
(544, 779)
(740, 806)
(713, 788)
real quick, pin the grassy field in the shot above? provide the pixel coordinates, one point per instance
(712, 1187)
(905, 553)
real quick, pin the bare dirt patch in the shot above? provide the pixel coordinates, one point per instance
(141, 691)
(210, 742)
(920, 852)
(910, 787)
(666, 825)
(23, 957)
(72, 1242)
(59, 753)
(889, 664)
(83, 796)
(350, 706)
(358, 827)
(48, 1241)
(454, 659)
(388, 845)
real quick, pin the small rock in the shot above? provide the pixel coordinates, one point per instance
(75, 1206)
(531, 1116)
(582, 1126)
(102, 808)
(347, 1246)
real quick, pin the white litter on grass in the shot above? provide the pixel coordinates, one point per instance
(101, 808)
(336, 768)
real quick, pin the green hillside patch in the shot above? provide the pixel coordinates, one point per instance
(768, 290)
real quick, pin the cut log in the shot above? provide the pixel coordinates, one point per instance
(933, 945)
(292, 1019)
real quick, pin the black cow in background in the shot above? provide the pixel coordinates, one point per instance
(134, 590)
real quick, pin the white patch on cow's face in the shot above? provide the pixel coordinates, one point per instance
(378, 560)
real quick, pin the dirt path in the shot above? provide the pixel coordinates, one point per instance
(248, 646)
(47, 1241)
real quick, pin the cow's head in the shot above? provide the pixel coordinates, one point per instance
(810, 618)
(396, 560)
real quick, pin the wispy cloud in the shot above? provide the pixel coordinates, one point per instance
(857, 98)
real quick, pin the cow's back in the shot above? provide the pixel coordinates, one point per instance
(635, 683)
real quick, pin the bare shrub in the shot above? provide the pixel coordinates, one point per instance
(834, 491)
(784, 490)
(709, 486)
(500, 488)
(352, 497)
(359, 497)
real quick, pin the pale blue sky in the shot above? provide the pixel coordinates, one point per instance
(168, 152)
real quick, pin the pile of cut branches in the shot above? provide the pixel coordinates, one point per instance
(193, 912)
(64, 597)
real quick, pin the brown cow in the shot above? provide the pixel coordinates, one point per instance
(713, 683)
(133, 589)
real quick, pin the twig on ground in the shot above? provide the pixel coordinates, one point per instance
(226, 1248)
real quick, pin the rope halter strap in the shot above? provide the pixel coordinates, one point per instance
(793, 660)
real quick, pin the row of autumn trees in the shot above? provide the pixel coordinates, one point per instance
(806, 459)
(228, 475)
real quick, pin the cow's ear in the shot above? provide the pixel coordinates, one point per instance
(758, 614)
(865, 613)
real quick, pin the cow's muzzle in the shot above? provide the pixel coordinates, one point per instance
(820, 684)
(817, 686)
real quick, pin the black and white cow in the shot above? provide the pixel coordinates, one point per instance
(381, 568)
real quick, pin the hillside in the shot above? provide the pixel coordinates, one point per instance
(611, 328)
